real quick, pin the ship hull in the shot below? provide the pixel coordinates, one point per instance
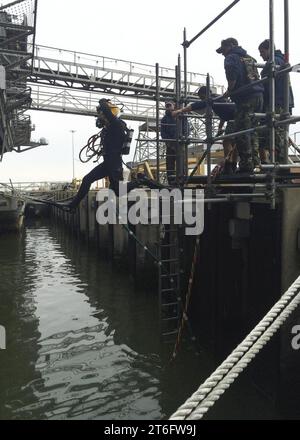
(11, 214)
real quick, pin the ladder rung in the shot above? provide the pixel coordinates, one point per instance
(164, 246)
(174, 318)
(171, 275)
(170, 261)
(175, 332)
(171, 289)
(170, 304)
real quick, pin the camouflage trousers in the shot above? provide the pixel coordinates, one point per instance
(248, 144)
(265, 140)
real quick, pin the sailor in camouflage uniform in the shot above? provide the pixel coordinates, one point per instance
(240, 71)
(264, 50)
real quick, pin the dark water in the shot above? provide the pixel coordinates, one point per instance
(81, 342)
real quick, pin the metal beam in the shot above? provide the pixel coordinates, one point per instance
(34, 25)
(188, 43)
(18, 62)
(18, 27)
(9, 5)
(15, 38)
(13, 52)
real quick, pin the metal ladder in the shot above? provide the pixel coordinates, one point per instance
(169, 282)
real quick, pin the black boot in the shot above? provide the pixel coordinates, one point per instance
(234, 167)
(245, 170)
(227, 169)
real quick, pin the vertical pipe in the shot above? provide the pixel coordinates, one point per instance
(73, 154)
(185, 66)
(186, 123)
(34, 35)
(87, 218)
(286, 78)
(159, 232)
(180, 121)
(160, 241)
(209, 129)
(272, 98)
(272, 81)
(157, 123)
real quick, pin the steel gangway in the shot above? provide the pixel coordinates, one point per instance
(70, 82)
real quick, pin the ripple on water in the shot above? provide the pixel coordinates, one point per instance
(91, 380)
(75, 369)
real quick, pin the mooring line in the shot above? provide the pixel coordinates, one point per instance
(224, 376)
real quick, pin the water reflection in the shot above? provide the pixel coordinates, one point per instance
(83, 344)
(18, 316)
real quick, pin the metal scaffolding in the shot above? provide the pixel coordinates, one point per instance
(272, 121)
(17, 34)
(17, 40)
(257, 187)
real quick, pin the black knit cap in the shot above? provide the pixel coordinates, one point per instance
(202, 91)
(264, 45)
(226, 43)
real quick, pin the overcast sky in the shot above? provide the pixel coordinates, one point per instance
(140, 31)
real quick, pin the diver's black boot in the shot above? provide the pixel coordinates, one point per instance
(227, 169)
(234, 167)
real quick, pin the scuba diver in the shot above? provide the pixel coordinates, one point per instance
(114, 138)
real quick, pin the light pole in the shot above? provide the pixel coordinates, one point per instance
(73, 152)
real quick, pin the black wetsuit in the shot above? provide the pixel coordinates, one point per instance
(113, 138)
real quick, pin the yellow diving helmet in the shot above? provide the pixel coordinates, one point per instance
(114, 109)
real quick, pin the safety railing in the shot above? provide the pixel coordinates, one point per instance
(84, 102)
